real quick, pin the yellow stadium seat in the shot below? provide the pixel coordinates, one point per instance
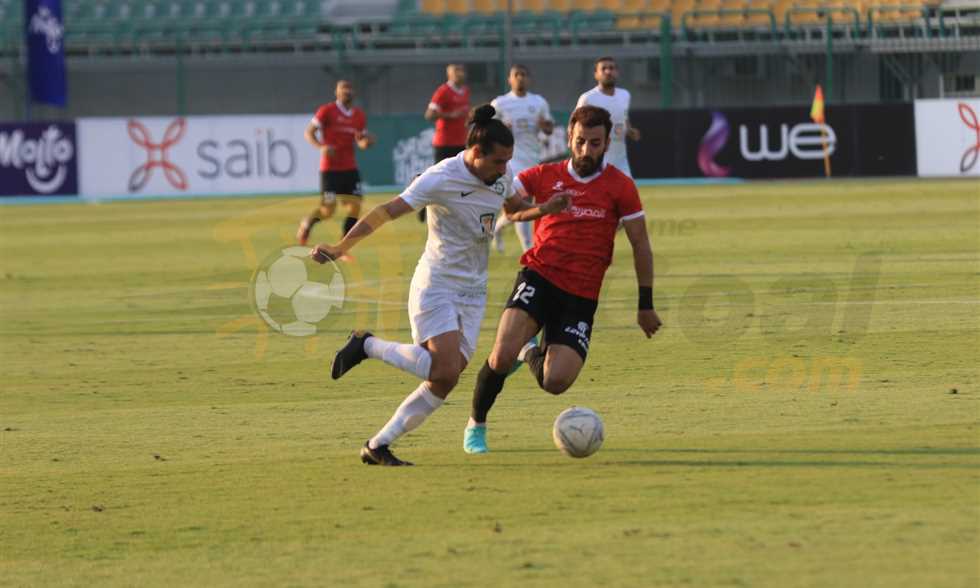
(660, 5)
(559, 5)
(487, 6)
(529, 5)
(584, 5)
(458, 6)
(633, 6)
(610, 5)
(433, 6)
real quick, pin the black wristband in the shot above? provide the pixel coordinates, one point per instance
(646, 298)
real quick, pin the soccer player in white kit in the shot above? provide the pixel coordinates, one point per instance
(448, 294)
(525, 113)
(617, 102)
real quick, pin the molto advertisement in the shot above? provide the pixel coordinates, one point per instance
(196, 155)
(782, 142)
(38, 159)
(947, 136)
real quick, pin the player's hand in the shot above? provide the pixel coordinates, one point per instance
(328, 150)
(648, 321)
(633, 134)
(364, 139)
(557, 203)
(321, 253)
(546, 126)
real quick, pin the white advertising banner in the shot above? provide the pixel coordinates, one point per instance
(195, 155)
(947, 137)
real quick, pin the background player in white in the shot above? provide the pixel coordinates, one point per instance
(448, 294)
(617, 102)
(525, 113)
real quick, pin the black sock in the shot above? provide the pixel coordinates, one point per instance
(534, 358)
(488, 384)
(422, 215)
(349, 223)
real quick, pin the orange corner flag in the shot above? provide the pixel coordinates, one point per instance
(816, 111)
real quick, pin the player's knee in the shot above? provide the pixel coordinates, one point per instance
(502, 359)
(556, 384)
(446, 379)
(445, 373)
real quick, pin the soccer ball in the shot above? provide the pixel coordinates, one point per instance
(578, 432)
(292, 293)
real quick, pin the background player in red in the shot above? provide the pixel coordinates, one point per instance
(558, 288)
(340, 125)
(449, 107)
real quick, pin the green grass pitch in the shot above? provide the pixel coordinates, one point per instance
(808, 416)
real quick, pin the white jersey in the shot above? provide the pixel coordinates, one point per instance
(618, 106)
(462, 211)
(522, 114)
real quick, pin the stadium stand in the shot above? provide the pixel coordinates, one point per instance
(100, 27)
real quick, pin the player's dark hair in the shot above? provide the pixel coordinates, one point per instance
(487, 131)
(520, 67)
(595, 65)
(590, 116)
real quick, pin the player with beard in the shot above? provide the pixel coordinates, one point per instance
(449, 288)
(558, 288)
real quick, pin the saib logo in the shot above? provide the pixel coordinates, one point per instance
(44, 159)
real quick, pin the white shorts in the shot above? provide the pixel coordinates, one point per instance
(433, 311)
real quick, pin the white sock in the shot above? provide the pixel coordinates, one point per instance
(525, 232)
(502, 222)
(413, 359)
(411, 412)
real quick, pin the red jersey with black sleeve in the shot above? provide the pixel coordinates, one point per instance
(339, 128)
(447, 98)
(573, 248)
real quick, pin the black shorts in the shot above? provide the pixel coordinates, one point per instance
(345, 183)
(566, 318)
(446, 152)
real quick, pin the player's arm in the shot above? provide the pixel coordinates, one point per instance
(311, 137)
(368, 224)
(632, 133)
(433, 112)
(636, 232)
(546, 123)
(518, 209)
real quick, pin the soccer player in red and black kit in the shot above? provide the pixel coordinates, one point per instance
(449, 106)
(558, 288)
(341, 125)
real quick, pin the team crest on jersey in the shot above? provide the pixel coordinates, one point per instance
(498, 187)
(487, 223)
(558, 185)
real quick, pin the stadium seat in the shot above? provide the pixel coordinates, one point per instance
(433, 6)
(487, 6)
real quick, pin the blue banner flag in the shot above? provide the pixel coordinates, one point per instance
(45, 51)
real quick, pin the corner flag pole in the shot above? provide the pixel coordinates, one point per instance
(817, 116)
